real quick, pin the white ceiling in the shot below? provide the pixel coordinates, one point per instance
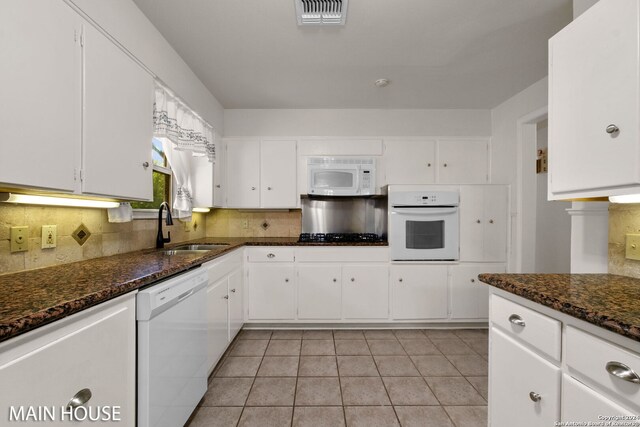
(437, 53)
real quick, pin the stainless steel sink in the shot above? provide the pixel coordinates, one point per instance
(173, 252)
(200, 247)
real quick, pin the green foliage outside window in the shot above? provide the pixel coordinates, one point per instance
(161, 179)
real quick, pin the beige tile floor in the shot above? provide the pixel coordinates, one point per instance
(370, 378)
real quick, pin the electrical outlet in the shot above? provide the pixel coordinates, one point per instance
(245, 223)
(49, 236)
(19, 241)
(633, 247)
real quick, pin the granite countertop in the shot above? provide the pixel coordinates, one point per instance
(605, 300)
(30, 299)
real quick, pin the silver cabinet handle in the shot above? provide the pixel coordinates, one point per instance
(271, 255)
(478, 221)
(516, 320)
(233, 291)
(269, 188)
(473, 280)
(490, 221)
(226, 297)
(335, 280)
(428, 165)
(218, 186)
(286, 280)
(445, 165)
(612, 129)
(622, 371)
(80, 398)
(400, 280)
(535, 396)
(353, 279)
(145, 165)
(253, 188)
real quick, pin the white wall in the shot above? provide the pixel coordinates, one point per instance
(357, 122)
(506, 121)
(126, 23)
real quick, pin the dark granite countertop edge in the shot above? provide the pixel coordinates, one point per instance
(13, 327)
(501, 281)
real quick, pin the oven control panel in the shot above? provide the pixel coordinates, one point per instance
(421, 198)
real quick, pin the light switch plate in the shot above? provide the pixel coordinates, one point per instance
(633, 246)
(49, 236)
(19, 240)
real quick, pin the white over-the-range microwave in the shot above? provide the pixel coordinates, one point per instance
(341, 176)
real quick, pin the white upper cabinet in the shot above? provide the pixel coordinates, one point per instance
(463, 161)
(220, 176)
(594, 114)
(261, 174)
(278, 174)
(117, 121)
(436, 161)
(483, 223)
(410, 161)
(243, 173)
(41, 94)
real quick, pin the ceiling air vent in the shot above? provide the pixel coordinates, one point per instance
(321, 12)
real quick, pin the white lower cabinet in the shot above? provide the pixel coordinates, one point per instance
(236, 312)
(582, 404)
(469, 298)
(217, 321)
(319, 291)
(271, 291)
(365, 291)
(94, 349)
(524, 389)
(418, 292)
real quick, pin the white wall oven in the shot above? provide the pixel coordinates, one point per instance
(424, 225)
(341, 176)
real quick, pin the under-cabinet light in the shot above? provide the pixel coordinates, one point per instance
(201, 210)
(627, 198)
(30, 199)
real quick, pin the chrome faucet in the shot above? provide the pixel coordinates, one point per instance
(160, 239)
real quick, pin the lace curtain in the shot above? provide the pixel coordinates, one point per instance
(183, 134)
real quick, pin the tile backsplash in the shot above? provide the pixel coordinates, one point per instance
(106, 238)
(623, 219)
(235, 223)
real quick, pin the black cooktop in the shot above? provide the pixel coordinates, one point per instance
(339, 237)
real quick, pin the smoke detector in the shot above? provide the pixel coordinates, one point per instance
(321, 12)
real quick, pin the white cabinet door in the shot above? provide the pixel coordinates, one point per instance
(271, 292)
(95, 349)
(515, 373)
(236, 315)
(202, 182)
(319, 291)
(471, 223)
(365, 291)
(483, 223)
(219, 176)
(580, 403)
(41, 94)
(278, 174)
(463, 161)
(217, 321)
(593, 83)
(117, 122)
(495, 223)
(410, 161)
(419, 291)
(243, 173)
(469, 296)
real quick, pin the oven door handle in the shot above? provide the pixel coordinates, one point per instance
(423, 211)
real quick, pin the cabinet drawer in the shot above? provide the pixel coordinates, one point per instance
(529, 326)
(270, 254)
(587, 358)
(580, 403)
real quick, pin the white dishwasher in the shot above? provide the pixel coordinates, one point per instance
(172, 349)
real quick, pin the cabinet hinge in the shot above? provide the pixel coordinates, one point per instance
(75, 174)
(81, 175)
(82, 37)
(75, 36)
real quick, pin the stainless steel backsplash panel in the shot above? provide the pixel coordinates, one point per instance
(344, 215)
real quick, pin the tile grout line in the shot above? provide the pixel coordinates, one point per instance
(295, 390)
(344, 412)
(254, 381)
(382, 381)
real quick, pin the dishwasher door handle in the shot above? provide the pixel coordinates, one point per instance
(185, 295)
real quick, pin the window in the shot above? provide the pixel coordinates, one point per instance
(161, 179)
